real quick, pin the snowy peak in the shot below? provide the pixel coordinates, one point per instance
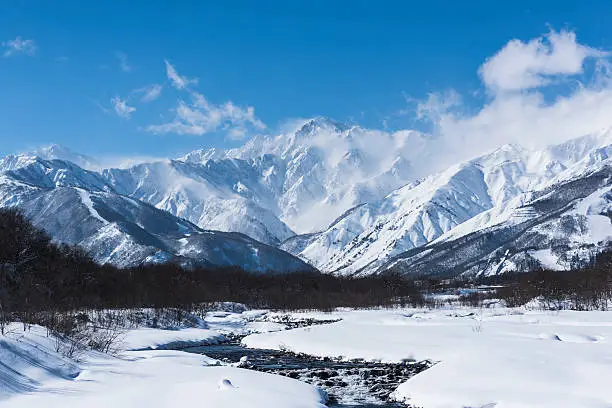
(474, 196)
(321, 124)
(228, 195)
(407, 218)
(563, 226)
(12, 162)
(301, 179)
(126, 232)
(58, 152)
(48, 153)
(203, 155)
(358, 198)
(54, 173)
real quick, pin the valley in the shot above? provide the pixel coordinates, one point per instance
(305, 204)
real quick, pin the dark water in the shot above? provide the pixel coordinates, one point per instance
(366, 405)
(350, 384)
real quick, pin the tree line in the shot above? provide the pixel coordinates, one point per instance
(38, 275)
(586, 288)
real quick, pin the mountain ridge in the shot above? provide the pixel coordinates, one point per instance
(508, 179)
(79, 207)
(324, 193)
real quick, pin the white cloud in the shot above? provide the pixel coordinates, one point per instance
(519, 108)
(149, 93)
(201, 117)
(125, 162)
(437, 104)
(121, 107)
(519, 65)
(124, 64)
(19, 46)
(178, 81)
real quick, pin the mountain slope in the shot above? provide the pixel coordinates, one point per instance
(321, 168)
(409, 217)
(226, 195)
(463, 199)
(76, 206)
(273, 187)
(562, 227)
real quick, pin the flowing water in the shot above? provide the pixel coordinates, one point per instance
(349, 384)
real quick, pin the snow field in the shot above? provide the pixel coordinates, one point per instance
(493, 358)
(34, 374)
(506, 358)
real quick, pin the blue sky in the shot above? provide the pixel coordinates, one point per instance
(76, 73)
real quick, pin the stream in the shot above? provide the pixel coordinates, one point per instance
(349, 384)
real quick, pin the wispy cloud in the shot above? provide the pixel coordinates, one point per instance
(124, 63)
(149, 93)
(19, 46)
(198, 116)
(121, 107)
(178, 81)
(124, 162)
(437, 104)
(518, 106)
(201, 117)
(124, 107)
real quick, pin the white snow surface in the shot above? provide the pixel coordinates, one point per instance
(33, 374)
(86, 200)
(493, 358)
(167, 379)
(150, 338)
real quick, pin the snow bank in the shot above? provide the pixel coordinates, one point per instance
(487, 358)
(241, 323)
(28, 359)
(33, 375)
(167, 379)
(148, 338)
(211, 329)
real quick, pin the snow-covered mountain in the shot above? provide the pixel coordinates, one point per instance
(315, 172)
(58, 152)
(226, 195)
(476, 197)
(275, 187)
(345, 199)
(52, 152)
(559, 228)
(80, 207)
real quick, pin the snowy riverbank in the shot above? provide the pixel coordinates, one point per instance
(34, 374)
(502, 358)
(487, 357)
